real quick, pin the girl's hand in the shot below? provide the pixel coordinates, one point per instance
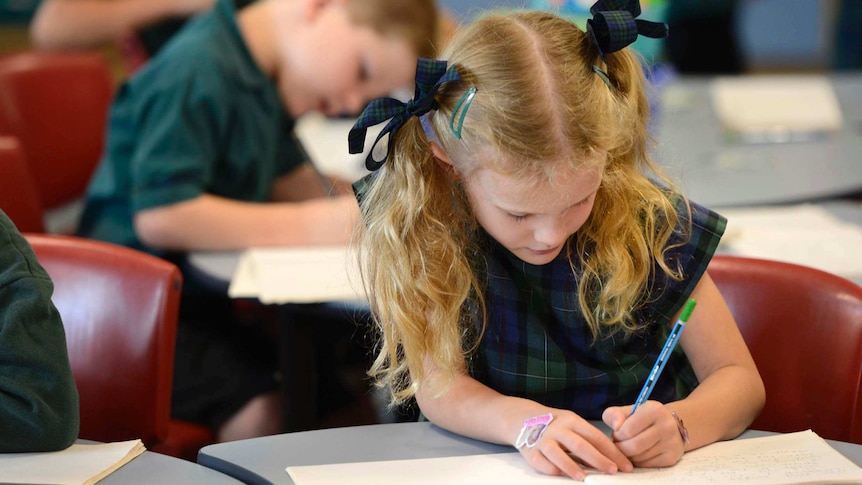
(569, 441)
(650, 437)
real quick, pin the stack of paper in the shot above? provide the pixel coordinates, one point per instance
(79, 464)
(804, 234)
(780, 459)
(297, 275)
(776, 108)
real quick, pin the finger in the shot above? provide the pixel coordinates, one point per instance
(536, 459)
(640, 443)
(646, 456)
(615, 416)
(595, 449)
(659, 460)
(647, 415)
(563, 462)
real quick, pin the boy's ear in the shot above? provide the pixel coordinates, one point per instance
(443, 161)
(314, 7)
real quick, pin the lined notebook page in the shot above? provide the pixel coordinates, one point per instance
(781, 459)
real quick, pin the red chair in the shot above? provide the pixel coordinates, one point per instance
(19, 197)
(804, 329)
(56, 104)
(119, 308)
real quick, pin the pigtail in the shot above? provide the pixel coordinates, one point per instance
(417, 228)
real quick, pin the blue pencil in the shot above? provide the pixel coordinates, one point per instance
(672, 339)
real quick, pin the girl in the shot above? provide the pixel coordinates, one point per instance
(525, 259)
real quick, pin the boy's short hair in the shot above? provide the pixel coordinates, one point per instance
(413, 20)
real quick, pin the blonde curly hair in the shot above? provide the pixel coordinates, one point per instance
(539, 107)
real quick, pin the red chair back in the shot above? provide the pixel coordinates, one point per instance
(19, 197)
(119, 308)
(804, 329)
(56, 104)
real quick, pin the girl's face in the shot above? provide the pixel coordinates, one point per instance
(533, 220)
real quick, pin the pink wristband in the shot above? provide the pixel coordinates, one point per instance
(683, 431)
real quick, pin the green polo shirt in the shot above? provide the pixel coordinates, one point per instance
(200, 117)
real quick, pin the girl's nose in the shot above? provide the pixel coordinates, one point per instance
(551, 232)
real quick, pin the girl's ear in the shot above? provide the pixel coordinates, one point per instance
(443, 161)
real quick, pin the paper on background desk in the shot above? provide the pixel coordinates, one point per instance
(79, 464)
(779, 459)
(325, 139)
(297, 275)
(776, 108)
(803, 234)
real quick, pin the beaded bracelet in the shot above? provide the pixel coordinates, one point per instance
(680, 425)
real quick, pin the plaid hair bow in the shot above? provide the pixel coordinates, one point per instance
(430, 74)
(614, 26)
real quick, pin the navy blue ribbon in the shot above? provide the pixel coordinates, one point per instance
(430, 75)
(614, 25)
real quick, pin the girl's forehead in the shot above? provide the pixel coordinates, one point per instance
(539, 194)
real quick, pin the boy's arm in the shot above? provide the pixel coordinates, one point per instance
(83, 24)
(209, 222)
(304, 183)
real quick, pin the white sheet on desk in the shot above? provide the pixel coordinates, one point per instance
(803, 234)
(75, 465)
(326, 141)
(296, 275)
(801, 457)
(757, 103)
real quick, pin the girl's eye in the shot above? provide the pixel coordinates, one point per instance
(585, 201)
(517, 218)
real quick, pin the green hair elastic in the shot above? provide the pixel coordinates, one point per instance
(463, 105)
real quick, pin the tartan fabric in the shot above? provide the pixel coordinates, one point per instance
(538, 346)
(614, 25)
(430, 74)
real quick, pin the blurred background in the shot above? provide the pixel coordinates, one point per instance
(773, 35)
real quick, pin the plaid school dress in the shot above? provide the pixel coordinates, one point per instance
(537, 344)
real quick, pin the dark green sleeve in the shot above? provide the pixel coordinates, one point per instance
(38, 397)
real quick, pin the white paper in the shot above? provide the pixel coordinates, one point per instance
(326, 141)
(297, 275)
(803, 234)
(76, 465)
(791, 458)
(801, 457)
(497, 469)
(776, 107)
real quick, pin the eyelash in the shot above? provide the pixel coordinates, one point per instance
(518, 218)
(583, 202)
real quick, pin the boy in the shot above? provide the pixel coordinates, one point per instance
(201, 155)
